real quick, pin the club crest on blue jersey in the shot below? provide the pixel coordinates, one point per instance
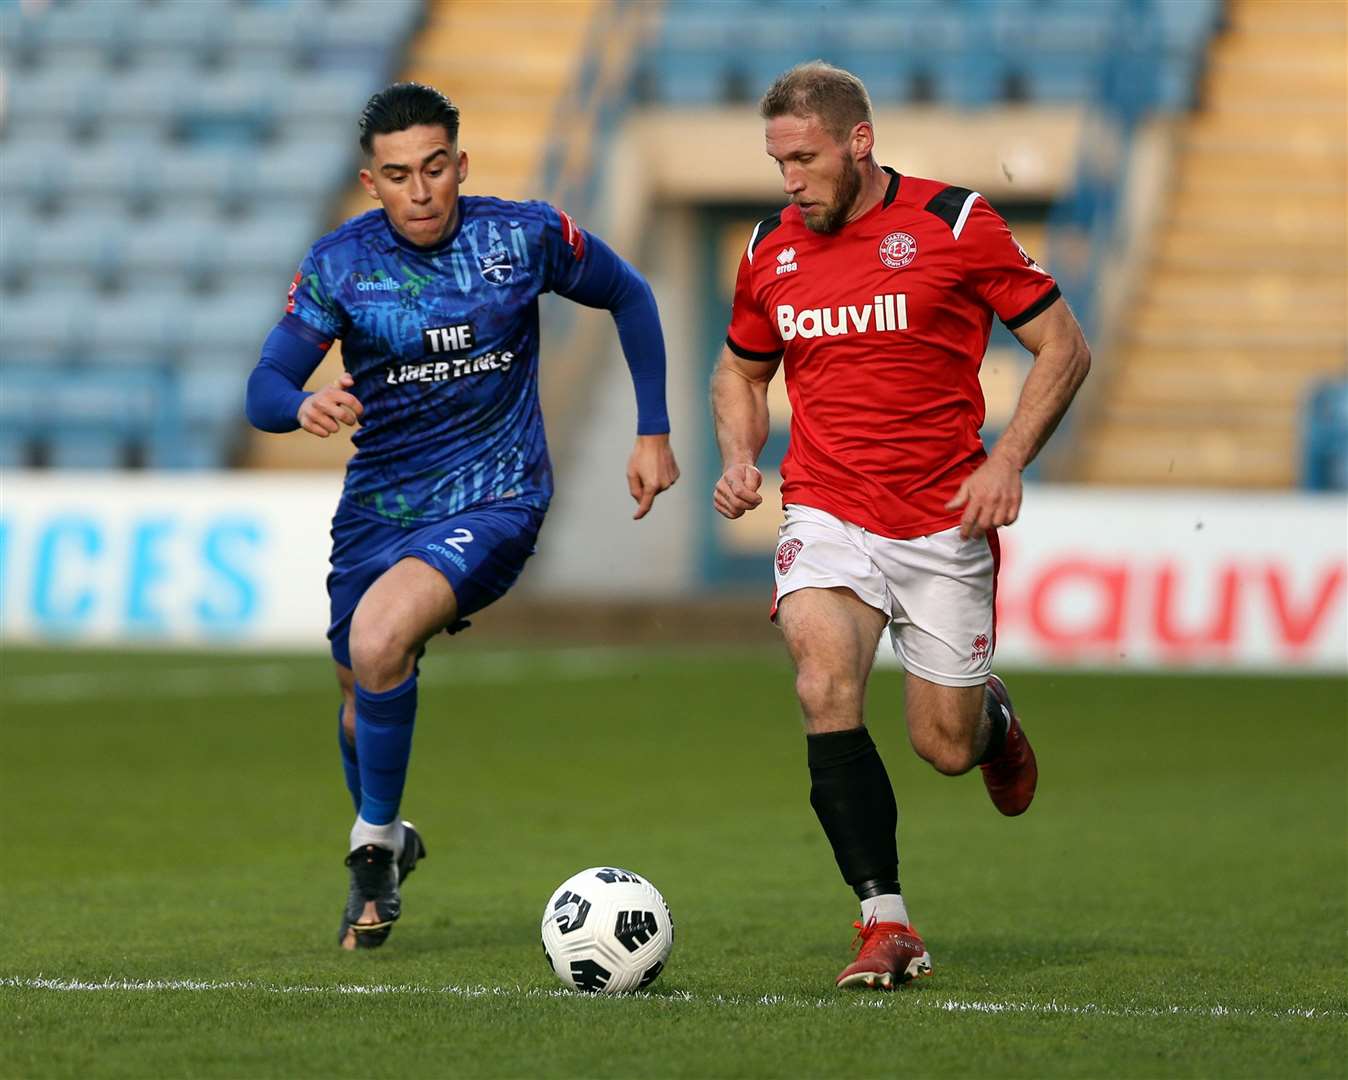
(495, 266)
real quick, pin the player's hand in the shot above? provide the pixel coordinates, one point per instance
(990, 497)
(650, 470)
(324, 412)
(737, 491)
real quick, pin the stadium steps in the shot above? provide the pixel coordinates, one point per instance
(508, 111)
(1243, 305)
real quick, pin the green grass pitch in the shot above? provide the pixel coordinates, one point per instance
(173, 830)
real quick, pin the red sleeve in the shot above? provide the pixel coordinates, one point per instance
(1015, 286)
(751, 336)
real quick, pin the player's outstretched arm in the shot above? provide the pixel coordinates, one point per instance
(991, 495)
(739, 408)
(595, 275)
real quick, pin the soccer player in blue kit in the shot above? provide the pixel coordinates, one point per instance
(435, 300)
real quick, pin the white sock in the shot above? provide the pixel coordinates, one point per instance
(386, 836)
(888, 907)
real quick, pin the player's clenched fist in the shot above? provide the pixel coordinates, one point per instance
(737, 491)
(324, 412)
(990, 496)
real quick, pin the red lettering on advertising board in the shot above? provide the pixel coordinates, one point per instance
(1108, 584)
(1297, 627)
(1220, 628)
(1076, 604)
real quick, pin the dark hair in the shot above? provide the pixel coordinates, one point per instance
(837, 97)
(404, 105)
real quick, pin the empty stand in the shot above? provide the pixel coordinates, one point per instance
(165, 165)
(971, 53)
(1244, 303)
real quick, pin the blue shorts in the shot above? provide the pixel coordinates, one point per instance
(480, 553)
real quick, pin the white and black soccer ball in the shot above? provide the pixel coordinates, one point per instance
(607, 931)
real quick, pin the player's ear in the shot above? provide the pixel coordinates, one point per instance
(863, 140)
(461, 166)
(367, 182)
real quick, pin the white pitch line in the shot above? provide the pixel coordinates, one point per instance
(899, 1000)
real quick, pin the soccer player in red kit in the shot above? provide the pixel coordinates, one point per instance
(878, 291)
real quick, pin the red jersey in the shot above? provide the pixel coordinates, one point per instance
(883, 326)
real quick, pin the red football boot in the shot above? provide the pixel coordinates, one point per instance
(891, 954)
(1012, 777)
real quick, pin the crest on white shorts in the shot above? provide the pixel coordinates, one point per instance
(897, 250)
(786, 554)
(980, 650)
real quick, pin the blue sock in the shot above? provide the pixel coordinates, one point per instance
(383, 746)
(349, 766)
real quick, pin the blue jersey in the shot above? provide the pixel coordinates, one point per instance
(443, 346)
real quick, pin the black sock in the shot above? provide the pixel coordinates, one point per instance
(1000, 724)
(854, 800)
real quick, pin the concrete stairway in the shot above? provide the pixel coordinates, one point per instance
(1244, 303)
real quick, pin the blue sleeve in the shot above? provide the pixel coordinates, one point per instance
(310, 301)
(290, 355)
(588, 271)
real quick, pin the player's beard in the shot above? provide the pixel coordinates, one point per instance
(845, 191)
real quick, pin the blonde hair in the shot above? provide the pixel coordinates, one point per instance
(837, 97)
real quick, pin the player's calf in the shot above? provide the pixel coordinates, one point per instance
(947, 725)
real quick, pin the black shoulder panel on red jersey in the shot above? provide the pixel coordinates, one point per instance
(761, 230)
(947, 203)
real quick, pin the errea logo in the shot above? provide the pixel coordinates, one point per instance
(786, 261)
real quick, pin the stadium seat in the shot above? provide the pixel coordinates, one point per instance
(16, 450)
(1325, 450)
(82, 448)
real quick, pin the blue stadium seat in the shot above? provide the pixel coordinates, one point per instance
(133, 328)
(85, 448)
(15, 450)
(235, 321)
(43, 324)
(1325, 439)
(77, 250)
(86, 418)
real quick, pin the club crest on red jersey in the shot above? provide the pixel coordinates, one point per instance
(980, 650)
(786, 554)
(897, 250)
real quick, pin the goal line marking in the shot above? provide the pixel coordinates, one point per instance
(921, 1001)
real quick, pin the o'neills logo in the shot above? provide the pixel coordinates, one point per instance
(884, 313)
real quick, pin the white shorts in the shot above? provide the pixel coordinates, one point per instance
(938, 591)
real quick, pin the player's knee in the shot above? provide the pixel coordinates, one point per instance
(826, 694)
(381, 656)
